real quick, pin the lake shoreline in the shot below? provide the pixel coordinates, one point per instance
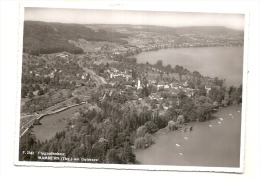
(179, 139)
(194, 47)
(222, 62)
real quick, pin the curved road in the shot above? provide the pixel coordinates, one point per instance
(25, 125)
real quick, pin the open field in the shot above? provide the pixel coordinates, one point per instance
(52, 124)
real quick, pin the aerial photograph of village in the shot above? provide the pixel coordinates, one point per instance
(131, 87)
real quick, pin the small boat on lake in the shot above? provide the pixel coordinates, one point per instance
(177, 145)
(231, 116)
(219, 122)
(181, 153)
(210, 125)
(186, 138)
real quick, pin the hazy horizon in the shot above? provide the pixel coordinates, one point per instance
(136, 25)
(127, 17)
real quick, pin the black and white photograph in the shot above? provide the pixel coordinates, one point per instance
(133, 88)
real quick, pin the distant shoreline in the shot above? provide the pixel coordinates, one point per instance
(142, 61)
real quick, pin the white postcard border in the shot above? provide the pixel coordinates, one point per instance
(140, 6)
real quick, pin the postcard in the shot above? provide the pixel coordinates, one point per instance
(132, 89)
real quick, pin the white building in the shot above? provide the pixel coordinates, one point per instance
(208, 88)
(166, 86)
(139, 86)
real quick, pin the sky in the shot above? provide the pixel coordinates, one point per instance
(169, 19)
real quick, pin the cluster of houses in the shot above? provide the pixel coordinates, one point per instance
(174, 87)
(123, 50)
(125, 77)
(62, 55)
(115, 76)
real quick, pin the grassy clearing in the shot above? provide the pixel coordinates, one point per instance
(50, 125)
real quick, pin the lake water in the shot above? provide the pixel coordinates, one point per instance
(223, 62)
(215, 146)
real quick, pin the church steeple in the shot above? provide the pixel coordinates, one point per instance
(139, 86)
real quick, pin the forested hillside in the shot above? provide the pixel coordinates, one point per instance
(46, 38)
